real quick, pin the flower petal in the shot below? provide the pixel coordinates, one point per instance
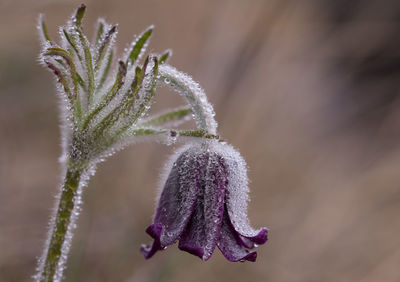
(230, 244)
(201, 235)
(246, 242)
(178, 198)
(177, 201)
(237, 195)
(154, 231)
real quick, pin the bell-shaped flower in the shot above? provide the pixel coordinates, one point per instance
(204, 204)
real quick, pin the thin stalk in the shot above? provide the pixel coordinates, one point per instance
(195, 96)
(55, 254)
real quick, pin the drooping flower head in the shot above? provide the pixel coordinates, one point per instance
(204, 204)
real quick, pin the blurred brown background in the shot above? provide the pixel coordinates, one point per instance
(307, 90)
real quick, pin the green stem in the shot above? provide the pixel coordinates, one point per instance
(60, 235)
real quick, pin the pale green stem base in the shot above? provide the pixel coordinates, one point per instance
(54, 257)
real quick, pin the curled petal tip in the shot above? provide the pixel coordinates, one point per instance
(252, 242)
(252, 256)
(249, 256)
(154, 231)
(261, 237)
(193, 250)
(146, 250)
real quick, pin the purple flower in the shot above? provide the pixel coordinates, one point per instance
(204, 205)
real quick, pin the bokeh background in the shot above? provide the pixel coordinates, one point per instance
(307, 90)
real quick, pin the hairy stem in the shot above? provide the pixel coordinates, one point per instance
(60, 233)
(194, 95)
(199, 133)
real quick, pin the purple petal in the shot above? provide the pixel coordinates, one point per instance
(201, 235)
(230, 244)
(246, 242)
(237, 198)
(176, 202)
(179, 196)
(155, 232)
(252, 241)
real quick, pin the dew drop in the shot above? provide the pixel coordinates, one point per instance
(171, 140)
